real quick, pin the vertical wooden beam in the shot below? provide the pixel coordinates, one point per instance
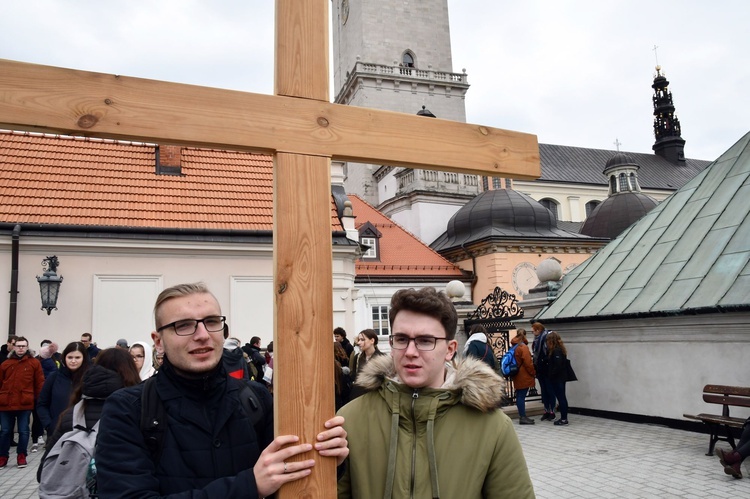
(301, 68)
(303, 269)
(303, 344)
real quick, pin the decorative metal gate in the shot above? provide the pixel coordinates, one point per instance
(496, 313)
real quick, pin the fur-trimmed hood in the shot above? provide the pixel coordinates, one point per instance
(476, 385)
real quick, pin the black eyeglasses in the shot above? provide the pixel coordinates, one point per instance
(186, 327)
(424, 343)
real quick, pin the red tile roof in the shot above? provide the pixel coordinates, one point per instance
(47, 179)
(401, 253)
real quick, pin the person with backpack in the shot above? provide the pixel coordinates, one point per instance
(213, 439)
(64, 468)
(478, 346)
(525, 378)
(541, 365)
(257, 362)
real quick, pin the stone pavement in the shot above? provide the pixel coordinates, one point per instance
(590, 458)
(603, 458)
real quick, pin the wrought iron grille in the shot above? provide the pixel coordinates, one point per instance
(496, 313)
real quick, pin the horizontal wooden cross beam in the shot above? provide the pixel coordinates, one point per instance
(48, 99)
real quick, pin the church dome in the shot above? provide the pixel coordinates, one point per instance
(617, 213)
(619, 160)
(503, 210)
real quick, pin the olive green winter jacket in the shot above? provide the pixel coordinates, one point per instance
(450, 442)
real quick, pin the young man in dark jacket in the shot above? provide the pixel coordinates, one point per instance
(7, 349)
(339, 335)
(210, 447)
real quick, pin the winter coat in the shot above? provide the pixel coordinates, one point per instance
(49, 366)
(348, 347)
(257, 359)
(526, 372)
(4, 353)
(98, 384)
(21, 381)
(479, 348)
(209, 446)
(55, 397)
(558, 366)
(541, 357)
(235, 363)
(450, 442)
(357, 362)
(92, 350)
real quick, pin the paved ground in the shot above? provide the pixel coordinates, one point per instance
(590, 458)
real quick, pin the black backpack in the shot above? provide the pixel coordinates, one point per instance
(154, 415)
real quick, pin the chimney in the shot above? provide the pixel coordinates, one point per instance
(168, 160)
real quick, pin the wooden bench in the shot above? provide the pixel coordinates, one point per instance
(726, 396)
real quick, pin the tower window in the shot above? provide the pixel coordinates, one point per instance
(623, 183)
(407, 60)
(552, 206)
(591, 206)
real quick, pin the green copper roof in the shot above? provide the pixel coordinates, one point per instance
(689, 254)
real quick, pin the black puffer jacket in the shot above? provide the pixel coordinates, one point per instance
(209, 447)
(98, 384)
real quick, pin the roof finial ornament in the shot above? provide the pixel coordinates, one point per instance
(656, 56)
(617, 144)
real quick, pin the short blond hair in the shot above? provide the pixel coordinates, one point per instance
(176, 291)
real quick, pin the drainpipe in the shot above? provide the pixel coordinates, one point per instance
(474, 277)
(13, 281)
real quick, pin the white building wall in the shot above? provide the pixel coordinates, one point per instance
(110, 286)
(656, 366)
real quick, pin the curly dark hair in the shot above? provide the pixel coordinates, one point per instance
(426, 301)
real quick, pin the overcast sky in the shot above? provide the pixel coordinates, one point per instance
(574, 73)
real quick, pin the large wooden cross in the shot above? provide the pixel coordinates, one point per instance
(303, 132)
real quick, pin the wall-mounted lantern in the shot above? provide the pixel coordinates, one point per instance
(49, 283)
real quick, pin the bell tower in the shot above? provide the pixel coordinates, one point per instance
(396, 55)
(669, 142)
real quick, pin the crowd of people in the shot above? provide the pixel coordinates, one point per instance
(191, 411)
(38, 387)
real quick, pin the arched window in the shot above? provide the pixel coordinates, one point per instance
(591, 206)
(552, 206)
(408, 60)
(623, 183)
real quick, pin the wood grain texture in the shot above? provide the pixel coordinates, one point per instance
(303, 307)
(46, 99)
(301, 65)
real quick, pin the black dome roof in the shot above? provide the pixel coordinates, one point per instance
(504, 214)
(502, 209)
(620, 159)
(617, 213)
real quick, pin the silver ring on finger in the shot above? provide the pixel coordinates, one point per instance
(285, 470)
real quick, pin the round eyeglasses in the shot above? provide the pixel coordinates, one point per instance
(424, 343)
(186, 327)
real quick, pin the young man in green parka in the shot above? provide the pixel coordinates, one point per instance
(427, 428)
